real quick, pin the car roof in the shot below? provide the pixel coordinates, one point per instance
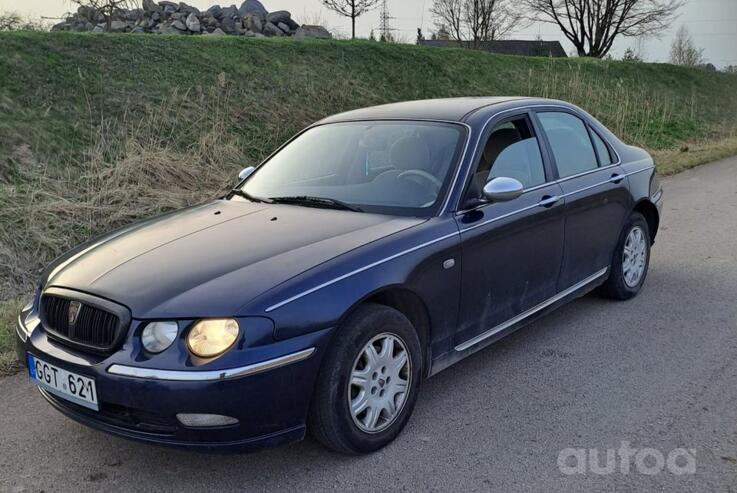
(446, 109)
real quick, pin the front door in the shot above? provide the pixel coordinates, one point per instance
(511, 251)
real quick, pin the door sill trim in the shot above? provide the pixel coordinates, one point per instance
(518, 318)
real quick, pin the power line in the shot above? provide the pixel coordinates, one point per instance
(715, 34)
(385, 27)
(710, 20)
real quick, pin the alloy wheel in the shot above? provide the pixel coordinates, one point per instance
(635, 257)
(379, 383)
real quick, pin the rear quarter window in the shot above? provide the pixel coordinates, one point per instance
(605, 155)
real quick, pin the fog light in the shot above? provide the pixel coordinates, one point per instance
(205, 420)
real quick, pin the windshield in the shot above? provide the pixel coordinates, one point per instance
(392, 167)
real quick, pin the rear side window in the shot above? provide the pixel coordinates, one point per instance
(605, 156)
(570, 143)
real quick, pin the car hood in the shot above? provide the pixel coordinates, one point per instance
(212, 259)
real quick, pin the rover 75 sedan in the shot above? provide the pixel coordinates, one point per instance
(371, 251)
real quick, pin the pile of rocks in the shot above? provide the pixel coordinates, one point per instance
(165, 17)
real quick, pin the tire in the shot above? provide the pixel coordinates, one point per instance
(621, 285)
(331, 420)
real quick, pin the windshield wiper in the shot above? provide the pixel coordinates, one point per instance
(248, 196)
(315, 202)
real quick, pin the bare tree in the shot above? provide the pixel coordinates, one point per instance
(449, 16)
(352, 9)
(683, 51)
(475, 21)
(593, 25)
(107, 9)
(488, 20)
(12, 21)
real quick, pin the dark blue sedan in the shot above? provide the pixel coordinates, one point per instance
(374, 249)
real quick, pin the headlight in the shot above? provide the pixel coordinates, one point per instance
(209, 338)
(157, 336)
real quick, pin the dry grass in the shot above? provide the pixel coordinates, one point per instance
(632, 112)
(689, 156)
(130, 173)
(48, 213)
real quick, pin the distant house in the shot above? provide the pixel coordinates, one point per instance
(507, 47)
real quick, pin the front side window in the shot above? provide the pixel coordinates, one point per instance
(512, 150)
(377, 166)
(570, 142)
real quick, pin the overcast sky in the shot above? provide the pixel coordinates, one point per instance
(713, 23)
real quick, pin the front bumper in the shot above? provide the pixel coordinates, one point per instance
(270, 398)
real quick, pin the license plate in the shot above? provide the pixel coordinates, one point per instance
(62, 383)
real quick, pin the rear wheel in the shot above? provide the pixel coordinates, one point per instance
(368, 383)
(631, 260)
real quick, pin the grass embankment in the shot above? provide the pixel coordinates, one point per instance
(97, 130)
(8, 313)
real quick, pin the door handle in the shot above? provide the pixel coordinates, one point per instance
(616, 178)
(548, 200)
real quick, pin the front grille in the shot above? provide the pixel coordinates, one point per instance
(92, 328)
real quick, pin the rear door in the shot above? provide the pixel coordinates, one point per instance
(595, 191)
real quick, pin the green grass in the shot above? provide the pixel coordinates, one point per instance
(98, 130)
(57, 90)
(9, 310)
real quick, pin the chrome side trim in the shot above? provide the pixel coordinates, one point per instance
(583, 173)
(212, 375)
(568, 194)
(608, 180)
(357, 271)
(530, 312)
(503, 216)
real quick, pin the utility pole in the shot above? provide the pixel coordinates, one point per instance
(385, 28)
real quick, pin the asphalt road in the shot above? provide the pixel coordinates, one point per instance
(659, 371)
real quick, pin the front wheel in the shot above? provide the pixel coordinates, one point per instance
(631, 260)
(368, 382)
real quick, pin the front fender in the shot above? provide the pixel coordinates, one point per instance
(413, 259)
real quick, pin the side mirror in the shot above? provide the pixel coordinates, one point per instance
(246, 172)
(501, 189)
